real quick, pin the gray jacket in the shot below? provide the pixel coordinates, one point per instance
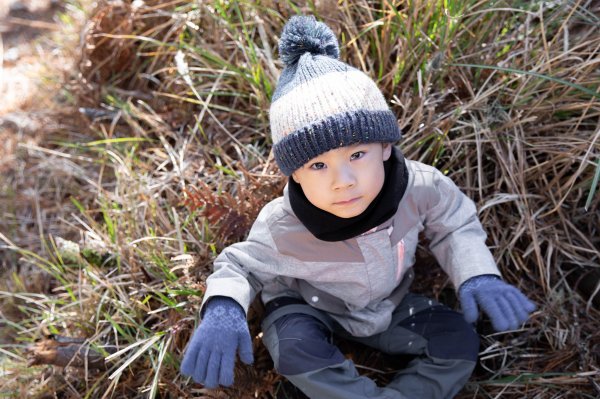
(361, 280)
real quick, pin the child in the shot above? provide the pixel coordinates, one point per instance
(334, 255)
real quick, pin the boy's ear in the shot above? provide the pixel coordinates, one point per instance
(387, 151)
(294, 177)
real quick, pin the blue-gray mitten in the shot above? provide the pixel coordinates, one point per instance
(506, 306)
(210, 356)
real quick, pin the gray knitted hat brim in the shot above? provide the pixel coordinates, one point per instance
(336, 131)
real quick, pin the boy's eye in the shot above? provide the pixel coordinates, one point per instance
(357, 155)
(317, 166)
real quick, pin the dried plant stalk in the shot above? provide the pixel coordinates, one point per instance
(66, 352)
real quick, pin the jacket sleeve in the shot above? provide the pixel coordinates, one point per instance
(238, 271)
(456, 236)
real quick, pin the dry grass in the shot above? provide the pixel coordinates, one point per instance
(174, 95)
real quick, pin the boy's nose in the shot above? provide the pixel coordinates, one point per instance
(344, 178)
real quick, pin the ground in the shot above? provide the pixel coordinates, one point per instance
(33, 61)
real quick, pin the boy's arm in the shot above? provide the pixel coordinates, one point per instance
(239, 270)
(238, 275)
(456, 236)
(458, 243)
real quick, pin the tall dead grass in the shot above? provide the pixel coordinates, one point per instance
(173, 96)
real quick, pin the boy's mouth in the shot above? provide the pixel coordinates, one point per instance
(347, 202)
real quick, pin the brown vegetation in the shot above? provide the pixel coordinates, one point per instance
(161, 148)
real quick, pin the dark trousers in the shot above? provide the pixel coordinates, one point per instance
(443, 345)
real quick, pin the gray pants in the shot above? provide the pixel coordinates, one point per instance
(444, 346)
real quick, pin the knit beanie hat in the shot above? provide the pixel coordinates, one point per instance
(321, 103)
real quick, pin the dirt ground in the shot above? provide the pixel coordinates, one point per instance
(32, 62)
(26, 53)
(38, 43)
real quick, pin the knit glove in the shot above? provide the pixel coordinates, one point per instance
(506, 306)
(210, 356)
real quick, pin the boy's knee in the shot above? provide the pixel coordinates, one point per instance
(303, 345)
(448, 335)
(460, 344)
(455, 338)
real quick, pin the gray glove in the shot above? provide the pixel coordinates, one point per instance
(210, 356)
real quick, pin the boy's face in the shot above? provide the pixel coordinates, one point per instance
(344, 181)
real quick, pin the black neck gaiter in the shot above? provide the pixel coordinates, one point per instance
(328, 227)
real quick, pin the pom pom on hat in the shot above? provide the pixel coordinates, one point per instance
(304, 34)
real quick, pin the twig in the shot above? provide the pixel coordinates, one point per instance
(66, 351)
(32, 23)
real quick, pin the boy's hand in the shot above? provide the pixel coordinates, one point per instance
(506, 306)
(210, 356)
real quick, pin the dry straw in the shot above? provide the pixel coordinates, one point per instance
(165, 150)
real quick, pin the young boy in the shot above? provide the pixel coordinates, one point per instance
(334, 255)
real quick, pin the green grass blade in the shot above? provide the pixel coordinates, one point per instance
(163, 347)
(116, 140)
(535, 74)
(147, 344)
(594, 185)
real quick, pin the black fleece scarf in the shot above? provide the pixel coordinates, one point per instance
(328, 227)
